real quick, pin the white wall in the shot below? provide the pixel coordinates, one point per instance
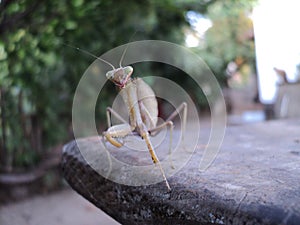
(277, 39)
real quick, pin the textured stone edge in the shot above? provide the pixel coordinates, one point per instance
(153, 204)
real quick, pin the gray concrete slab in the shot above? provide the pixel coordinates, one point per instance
(61, 208)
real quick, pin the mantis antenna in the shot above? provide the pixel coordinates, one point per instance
(90, 54)
(124, 52)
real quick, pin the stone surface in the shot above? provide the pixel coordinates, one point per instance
(255, 179)
(60, 208)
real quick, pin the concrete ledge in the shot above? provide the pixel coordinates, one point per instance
(255, 179)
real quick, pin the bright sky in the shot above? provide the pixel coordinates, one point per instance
(200, 24)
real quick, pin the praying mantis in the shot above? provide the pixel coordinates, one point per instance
(142, 108)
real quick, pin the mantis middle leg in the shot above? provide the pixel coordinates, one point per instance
(168, 122)
(110, 111)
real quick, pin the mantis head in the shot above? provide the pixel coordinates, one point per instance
(120, 76)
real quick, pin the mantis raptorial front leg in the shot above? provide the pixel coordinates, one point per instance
(113, 132)
(117, 131)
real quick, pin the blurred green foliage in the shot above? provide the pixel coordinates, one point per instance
(230, 39)
(39, 72)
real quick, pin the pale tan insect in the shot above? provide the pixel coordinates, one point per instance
(142, 109)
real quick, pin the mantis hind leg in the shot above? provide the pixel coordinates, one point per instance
(168, 122)
(183, 108)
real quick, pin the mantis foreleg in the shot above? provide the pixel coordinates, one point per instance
(117, 131)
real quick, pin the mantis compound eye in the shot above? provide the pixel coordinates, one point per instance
(128, 70)
(110, 75)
